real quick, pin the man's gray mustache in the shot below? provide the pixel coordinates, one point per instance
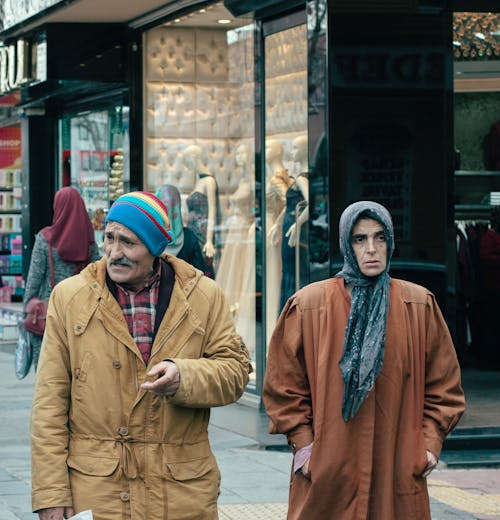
(123, 261)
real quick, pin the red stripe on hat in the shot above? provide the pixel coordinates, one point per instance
(156, 199)
(145, 195)
(153, 220)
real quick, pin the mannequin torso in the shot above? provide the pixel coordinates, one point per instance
(203, 205)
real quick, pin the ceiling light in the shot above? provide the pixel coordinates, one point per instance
(224, 21)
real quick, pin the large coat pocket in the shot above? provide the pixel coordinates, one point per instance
(193, 469)
(198, 478)
(410, 466)
(95, 486)
(94, 466)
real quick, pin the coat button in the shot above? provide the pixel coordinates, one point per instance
(123, 430)
(116, 364)
(125, 497)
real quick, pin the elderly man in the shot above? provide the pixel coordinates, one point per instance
(137, 348)
(363, 379)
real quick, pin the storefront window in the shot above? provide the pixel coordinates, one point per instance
(476, 45)
(475, 36)
(95, 160)
(287, 168)
(199, 138)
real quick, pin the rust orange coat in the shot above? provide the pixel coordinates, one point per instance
(370, 467)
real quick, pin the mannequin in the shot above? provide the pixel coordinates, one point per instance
(277, 186)
(203, 205)
(294, 232)
(236, 271)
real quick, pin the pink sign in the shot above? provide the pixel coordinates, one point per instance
(10, 147)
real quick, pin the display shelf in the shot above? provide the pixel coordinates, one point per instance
(477, 173)
(12, 288)
(472, 211)
(474, 192)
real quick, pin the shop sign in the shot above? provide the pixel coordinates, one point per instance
(381, 67)
(16, 11)
(10, 147)
(13, 65)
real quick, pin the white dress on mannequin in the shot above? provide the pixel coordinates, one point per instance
(236, 271)
(276, 189)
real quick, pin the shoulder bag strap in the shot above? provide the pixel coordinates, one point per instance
(51, 267)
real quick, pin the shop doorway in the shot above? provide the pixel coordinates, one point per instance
(476, 47)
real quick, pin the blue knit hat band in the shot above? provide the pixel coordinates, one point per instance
(145, 215)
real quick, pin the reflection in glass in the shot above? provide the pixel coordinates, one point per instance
(199, 136)
(476, 36)
(95, 160)
(319, 179)
(287, 170)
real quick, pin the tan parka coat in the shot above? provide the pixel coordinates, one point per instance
(99, 441)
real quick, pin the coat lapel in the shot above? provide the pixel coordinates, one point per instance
(177, 326)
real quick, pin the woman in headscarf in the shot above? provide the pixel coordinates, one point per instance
(70, 238)
(185, 245)
(363, 379)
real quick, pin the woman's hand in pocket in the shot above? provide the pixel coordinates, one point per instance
(432, 462)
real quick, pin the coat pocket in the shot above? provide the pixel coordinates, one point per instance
(411, 463)
(92, 486)
(186, 479)
(190, 470)
(93, 466)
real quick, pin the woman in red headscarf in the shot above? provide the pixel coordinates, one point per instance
(70, 238)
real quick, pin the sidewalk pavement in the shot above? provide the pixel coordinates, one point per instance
(254, 480)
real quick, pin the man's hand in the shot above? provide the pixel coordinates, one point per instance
(168, 379)
(56, 513)
(432, 462)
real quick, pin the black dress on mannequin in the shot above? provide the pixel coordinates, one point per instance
(197, 222)
(294, 196)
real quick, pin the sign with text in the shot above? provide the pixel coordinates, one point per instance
(388, 67)
(14, 59)
(10, 147)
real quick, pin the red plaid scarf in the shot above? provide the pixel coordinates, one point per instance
(139, 310)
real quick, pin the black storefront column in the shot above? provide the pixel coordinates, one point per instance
(391, 134)
(38, 153)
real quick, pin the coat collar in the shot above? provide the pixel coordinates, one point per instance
(186, 279)
(186, 275)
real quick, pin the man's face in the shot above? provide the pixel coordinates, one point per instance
(129, 261)
(369, 246)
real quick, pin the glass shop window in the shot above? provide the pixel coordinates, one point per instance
(287, 169)
(199, 147)
(94, 154)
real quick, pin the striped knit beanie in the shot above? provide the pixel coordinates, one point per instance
(147, 216)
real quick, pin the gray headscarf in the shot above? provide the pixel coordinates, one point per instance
(364, 340)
